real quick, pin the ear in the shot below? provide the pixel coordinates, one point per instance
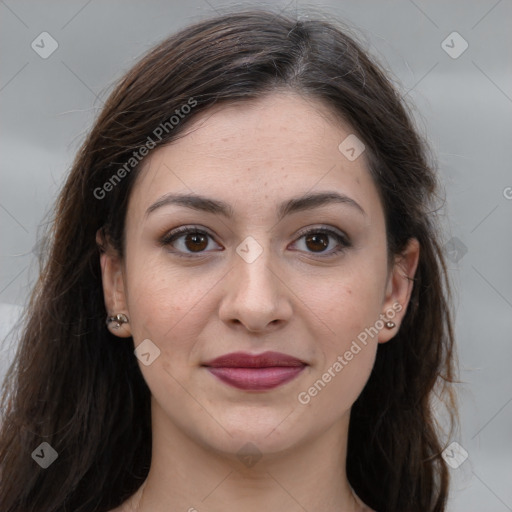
(114, 286)
(399, 288)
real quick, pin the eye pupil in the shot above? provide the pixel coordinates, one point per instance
(319, 244)
(196, 238)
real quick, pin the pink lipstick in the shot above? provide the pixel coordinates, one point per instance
(255, 372)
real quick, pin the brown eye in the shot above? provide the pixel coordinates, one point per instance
(195, 242)
(187, 241)
(317, 241)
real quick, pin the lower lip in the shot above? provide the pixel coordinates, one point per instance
(257, 378)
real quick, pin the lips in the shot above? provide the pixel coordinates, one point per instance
(255, 372)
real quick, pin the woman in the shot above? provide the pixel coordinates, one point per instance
(244, 303)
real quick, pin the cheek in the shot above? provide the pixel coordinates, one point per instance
(332, 391)
(348, 302)
(349, 307)
(164, 308)
(155, 298)
(169, 305)
(345, 356)
(155, 290)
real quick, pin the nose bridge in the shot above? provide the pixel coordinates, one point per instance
(254, 295)
(253, 269)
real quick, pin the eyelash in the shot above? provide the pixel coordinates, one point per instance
(180, 232)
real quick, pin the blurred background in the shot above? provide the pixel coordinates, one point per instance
(451, 60)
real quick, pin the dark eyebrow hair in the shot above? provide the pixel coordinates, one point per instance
(218, 207)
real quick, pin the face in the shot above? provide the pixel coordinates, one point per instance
(310, 281)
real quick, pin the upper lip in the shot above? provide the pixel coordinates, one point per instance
(245, 360)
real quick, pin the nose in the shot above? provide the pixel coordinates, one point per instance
(255, 295)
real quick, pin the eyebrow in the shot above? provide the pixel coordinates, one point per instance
(218, 207)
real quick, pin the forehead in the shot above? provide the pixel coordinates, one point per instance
(256, 153)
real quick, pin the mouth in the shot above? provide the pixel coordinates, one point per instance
(255, 372)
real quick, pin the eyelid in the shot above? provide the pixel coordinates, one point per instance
(343, 240)
(175, 233)
(322, 227)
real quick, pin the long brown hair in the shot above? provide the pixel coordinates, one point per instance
(74, 386)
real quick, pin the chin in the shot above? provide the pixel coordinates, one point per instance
(265, 432)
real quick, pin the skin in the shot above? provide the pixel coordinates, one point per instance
(290, 299)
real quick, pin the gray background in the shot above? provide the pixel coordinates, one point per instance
(463, 105)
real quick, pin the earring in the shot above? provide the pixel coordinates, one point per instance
(117, 320)
(390, 325)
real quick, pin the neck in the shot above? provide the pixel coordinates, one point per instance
(187, 475)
